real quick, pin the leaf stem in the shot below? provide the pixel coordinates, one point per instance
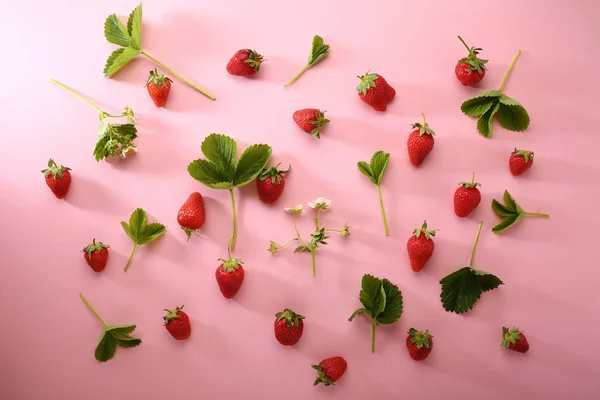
(192, 84)
(385, 224)
(314, 266)
(297, 232)
(60, 85)
(231, 244)
(536, 214)
(294, 79)
(475, 245)
(373, 324)
(318, 222)
(510, 67)
(463, 42)
(285, 245)
(135, 245)
(87, 303)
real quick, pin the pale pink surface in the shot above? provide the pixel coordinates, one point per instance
(550, 266)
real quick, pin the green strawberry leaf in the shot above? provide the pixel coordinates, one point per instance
(118, 59)
(205, 172)
(366, 170)
(511, 212)
(513, 117)
(501, 210)
(372, 295)
(358, 312)
(106, 347)
(151, 232)
(221, 151)
(251, 163)
(488, 281)
(379, 164)
(115, 32)
(318, 51)
(137, 223)
(140, 232)
(506, 223)
(485, 122)
(301, 249)
(510, 203)
(504, 99)
(479, 104)
(393, 306)
(114, 336)
(134, 28)
(462, 288)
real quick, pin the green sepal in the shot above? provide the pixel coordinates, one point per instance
(510, 337)
(470, 185)
(423, 231)
(420, 338)
(274, 173)
(318, 123)
(89, 249)
(475, 63)
(321, 377)
(254, 59)
(424, 128)
(55, 170)
(171, 314)
(527, 155)
(231, 264)
(367, 81)
(290, 317)
(158, 79)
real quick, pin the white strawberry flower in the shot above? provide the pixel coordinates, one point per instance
(295, 210)
(321, 203)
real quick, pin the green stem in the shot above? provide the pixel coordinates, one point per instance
(285, 245)
(473, 179)
(318, 218)
(294, 79)
(314, 267)
(60, 85)
(510, 67)
(231, 244)
(297, 232)
(131, 257)
(475, 245)
(87, 303)
(373, 336)
(192, 84)
(536, 214)
(385, 224)
(463, 42)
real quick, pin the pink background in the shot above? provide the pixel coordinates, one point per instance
(549, 265)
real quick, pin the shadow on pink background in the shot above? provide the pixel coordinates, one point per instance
(549, 266)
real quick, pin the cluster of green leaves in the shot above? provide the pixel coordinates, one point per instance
(486, 105)
(461, 289)
(140, 232)
(374, 171)
(511, 213)
(318, 51)
(115, 139)
(316, 238)
(113, 336)
(129, 38)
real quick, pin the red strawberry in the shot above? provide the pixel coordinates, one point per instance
(419, 344)
(520, 161)
(288, 327)
(471, 69)
(311, 120)
(96, 255)
(178, 323)
(270, 184)
(375, 91)
(420, 142)
(191, 215)
(515, 340)
(159, 87)
(330, 370)
(244, 62)
(230, 276)
(58, 179)
(466, 198)
(420, 247)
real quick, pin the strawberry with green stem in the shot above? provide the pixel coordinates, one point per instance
(510, 212)
(375, 172)
(58, 179)
(318, 51)
(245, 62)
(520, 161)
(471, 69)
(140, 232)
(514, 339)
(159, 87)
(230, 275)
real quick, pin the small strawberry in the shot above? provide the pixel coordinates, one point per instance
(270, 184)
(58, 179)
(520, 161)
(466, 198)
(288, 327)
(419, 344)
(178, 323)
(311, 120)
(375, 91)
(330, 370)
(230, 276)
(420, 142)
(471, 69)
(244, 62)
(159, 87)
(420, 247)
(96, 255)
(191, 215)
(515, 340)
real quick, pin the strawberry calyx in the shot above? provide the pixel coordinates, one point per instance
(470, 185)
(428, 234)
(527, 155)
(420, 338)
(231, 264)
(157, 79)
(254, 59)
(172, 314)
(320, 122)
(290, 317)
(510, 337)
(366, 81)
(54, 169)
(274, 173)
(475, 63)
(424, 127)
(188, 232)
(89, 249)
(321, 377)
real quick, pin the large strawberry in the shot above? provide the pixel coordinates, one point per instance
(311, 120)
(58, 179)
(375, 91)
(245, 62)
(158, 86)
(96, 255)
(471, 69)
(270, 184)
(178, 323)
(330, 370)
(420, 142)
(420, 247)
(191, 215)
(520, 161)
(230, 276)
(419, 344)
(288, 327)
(466, 198)
(514, 339)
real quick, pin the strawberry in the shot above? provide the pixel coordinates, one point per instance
(420, 142)
(311, 120)
(58, 179)
(471, 69)
(330, 370)
(419, 344)
(191, 215)
(270, 184)
(520, 161)
(466, 198)
(288, 327)
(159, 87)
(96, 255)
(230, 276)
(244, 62)
(178, 323)
(515, 340)
(420, 247)
(375, 91)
